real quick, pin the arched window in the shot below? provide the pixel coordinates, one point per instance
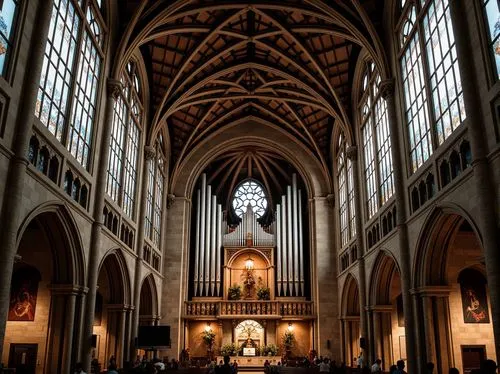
(9, 10)
(345, 180)
(376, 142)
(124, 143)
(66, 102)
(250, 192)
(492, 13)
(434, 105)
(154, 198)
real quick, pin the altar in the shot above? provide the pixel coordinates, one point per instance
(256, 361)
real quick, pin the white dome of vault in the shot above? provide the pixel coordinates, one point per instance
(289, 63)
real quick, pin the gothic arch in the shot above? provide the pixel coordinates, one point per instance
(350, 297)
(381, 278)
(148, 305)
(259, 133)
(437, 233)
(58, 225)
(114, 264)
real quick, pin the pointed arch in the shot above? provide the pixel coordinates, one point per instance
(381, 278)
(350, 297)
(115, 266)
(148, 305)
(59, 226)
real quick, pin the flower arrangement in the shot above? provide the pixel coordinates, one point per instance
(208, 337)
(288, 339)
(234, 292)
(230, 349)
(263, 293)
(269, 350)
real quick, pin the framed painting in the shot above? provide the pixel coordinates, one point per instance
(474, 299)
(23, 294)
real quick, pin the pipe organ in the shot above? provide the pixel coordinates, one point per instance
(290, 244)
(212, 233)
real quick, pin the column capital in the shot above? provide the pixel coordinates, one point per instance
(114, 87)
(67, 289)
(379, 308)
(330, 199)
(149, 152)
(170, 200)
(428, 291)
(352, 153)
(386, 88)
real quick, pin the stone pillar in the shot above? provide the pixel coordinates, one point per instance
(175, 270)
(342, 340)
(14, 181)
(114, 88)
(381, 349)
(68, 294)
(79, 317)
(352, 154)
(387, 92)
(149, 156)
(485, 192)
(324, 265)
(129, 342)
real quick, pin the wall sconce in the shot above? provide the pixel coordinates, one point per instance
(249, 263)
(207, 327)
(290, 326)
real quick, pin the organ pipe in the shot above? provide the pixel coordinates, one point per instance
(289, 238)
(207, 239)
(197, 245)
(295, 236)
(212, 245)
(278, 249)
(285, 244)
(217, 248)
(301, 247)
(202, 231)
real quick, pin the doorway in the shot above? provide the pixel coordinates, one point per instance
(472, 356)
(23, 356)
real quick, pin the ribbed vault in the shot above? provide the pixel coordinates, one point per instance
(212, 62)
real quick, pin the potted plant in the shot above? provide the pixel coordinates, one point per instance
(234, 292)
(229, 349)
(288, 339)
(272, 349)
(263, 293)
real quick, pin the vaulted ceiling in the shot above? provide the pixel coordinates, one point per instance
(289, 62)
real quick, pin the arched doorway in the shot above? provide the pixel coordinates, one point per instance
(386, 315)
(148, 307)
(350, 318)
(112, 320)
(452, 297)
(46, 297)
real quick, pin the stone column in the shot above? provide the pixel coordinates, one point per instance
(149, 156)
(14, 181)
(381, 348)
(79, 317)
(175, 269)
(387, 92)
(324, 265)
(114, 88)
(485, 191)
(352, 154)
(342, 340)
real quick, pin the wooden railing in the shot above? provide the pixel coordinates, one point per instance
(276, 309)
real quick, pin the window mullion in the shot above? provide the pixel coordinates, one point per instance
(121, 191)
(74, 69)
(427, 77)
(376, 146)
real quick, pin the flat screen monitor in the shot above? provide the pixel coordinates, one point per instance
(153, 336)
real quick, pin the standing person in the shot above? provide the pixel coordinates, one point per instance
(488, 367)
(235, 367)
(401, 366)
(324, 366)
(79, 368)
(377, 366)
(453, 371)
(112, 369)
(360, 361)
(430, 368)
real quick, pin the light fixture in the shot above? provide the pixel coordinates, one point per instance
(207, 327)
(290, 326)
(249, 263)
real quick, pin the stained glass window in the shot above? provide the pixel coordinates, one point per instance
(124, 146)
(250, 192)
(8, 16)
(430, 120)
(60, 77)
(376, 143)
(492, 12)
